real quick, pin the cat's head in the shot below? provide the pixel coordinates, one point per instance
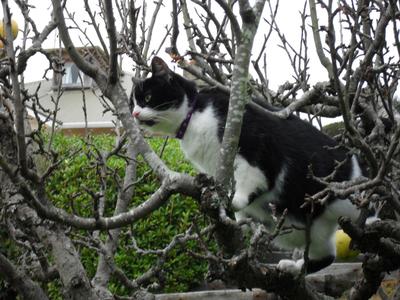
(162, 101)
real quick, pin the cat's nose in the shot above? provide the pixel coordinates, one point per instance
(136, 114)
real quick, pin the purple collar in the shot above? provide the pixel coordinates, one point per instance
(182, 128)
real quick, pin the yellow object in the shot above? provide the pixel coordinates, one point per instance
(14, 29)
(343, 250)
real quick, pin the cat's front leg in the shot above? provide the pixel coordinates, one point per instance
(240, 201)
(250, 182)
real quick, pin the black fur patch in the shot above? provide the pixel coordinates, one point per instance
(316, 265)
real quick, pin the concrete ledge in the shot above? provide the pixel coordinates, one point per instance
(334, 279)
(255, 294)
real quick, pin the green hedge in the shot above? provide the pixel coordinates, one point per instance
(68, 186)
(334, 129)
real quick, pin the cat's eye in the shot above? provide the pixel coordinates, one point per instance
(147, 98)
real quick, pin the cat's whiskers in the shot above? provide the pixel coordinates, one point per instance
(164, 104)
(157, 119)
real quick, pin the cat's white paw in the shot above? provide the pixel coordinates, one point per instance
(291, 266)
(371, 220)
(376, 207)
(239, 201)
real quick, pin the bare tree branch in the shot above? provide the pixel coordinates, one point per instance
(19, 108)
(239, 96)
(85, 66)
(112, 35)
(21, 282)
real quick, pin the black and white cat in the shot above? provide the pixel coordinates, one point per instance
(272, 165)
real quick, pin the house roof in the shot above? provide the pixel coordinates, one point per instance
(91, 54)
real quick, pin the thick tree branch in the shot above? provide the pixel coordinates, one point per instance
(174, 183)
(20, 281)
(317, 38)
(150, 30)
(104, 270)
(112, 36)
(229, 12)
(382, 238)
(239, 95)
(19, 108)
(89, 69)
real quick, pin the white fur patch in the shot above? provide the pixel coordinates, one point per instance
(291, 266)
(200, 143)
(356, 169)
(167, 121)
(258, 208)
(248, 179)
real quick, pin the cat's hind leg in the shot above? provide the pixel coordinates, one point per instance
(322, 249)
(313, 265)
(319, 257)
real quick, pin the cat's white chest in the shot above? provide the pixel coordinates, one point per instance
(200, 143)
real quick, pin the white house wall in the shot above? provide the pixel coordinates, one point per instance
(70, 113)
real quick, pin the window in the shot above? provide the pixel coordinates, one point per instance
(73, 78)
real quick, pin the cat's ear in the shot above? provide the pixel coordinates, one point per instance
(160, 68)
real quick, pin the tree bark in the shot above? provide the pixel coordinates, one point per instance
(104, 271)
(25, 286)
(66, 258)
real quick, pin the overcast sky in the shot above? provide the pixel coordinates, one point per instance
(279, 69)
